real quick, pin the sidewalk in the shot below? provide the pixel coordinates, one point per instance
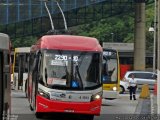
(153, 104)
(147, 106)
(143, 106)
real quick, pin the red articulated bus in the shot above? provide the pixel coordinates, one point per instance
(65, 75)
(5, 77)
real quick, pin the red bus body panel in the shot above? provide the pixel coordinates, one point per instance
(67, 42)
(46, 105)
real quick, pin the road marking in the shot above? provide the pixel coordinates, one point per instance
(152, 107)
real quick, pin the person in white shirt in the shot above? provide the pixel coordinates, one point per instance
(132, 87)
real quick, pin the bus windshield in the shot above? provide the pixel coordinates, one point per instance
(71, 69)
(21, 62)
(110, 67)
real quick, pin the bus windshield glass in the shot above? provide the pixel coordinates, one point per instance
(71, 69)
(110, 67)
(21, 62)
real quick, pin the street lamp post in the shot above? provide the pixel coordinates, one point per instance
(151, 29)
(154, 29)
(155, 36)
(154, 49)
(158, 57)
(112, 36)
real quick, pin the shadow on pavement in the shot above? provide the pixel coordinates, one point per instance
(52, 116)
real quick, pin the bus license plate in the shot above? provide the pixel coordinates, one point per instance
(79, 98)
(68, 110)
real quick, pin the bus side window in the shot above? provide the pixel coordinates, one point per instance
(31, 60)
(26, 63)
(36, 62)
(16, 68)
(39, 62)
(6, 58)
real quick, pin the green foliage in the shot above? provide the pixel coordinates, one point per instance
(121, 25)
(23, 42)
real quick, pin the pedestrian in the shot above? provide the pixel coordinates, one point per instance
(132, 87)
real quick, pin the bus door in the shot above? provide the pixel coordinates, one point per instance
(35, 74)
(5, 84)
(1, 84)
(32, 78)
(20, 70)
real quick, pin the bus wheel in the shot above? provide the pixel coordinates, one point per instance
(39, 115)
(88, 117)
(121, 90)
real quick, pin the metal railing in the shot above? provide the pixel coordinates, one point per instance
(21, 10)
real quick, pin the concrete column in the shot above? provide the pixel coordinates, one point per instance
(139, 35)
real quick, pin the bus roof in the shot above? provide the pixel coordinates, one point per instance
(68, 42)
(4, 41)
(22, 49)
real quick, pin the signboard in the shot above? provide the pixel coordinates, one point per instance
(119, 46)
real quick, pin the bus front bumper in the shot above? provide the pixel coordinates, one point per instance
(110, 94)
(46, 105)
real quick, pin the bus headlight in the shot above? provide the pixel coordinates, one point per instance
(96, 96)
(114, 88)
(43, 94)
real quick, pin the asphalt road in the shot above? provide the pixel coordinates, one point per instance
(111, 109)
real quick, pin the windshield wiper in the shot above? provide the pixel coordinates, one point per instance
(80, 79)
(60, 87)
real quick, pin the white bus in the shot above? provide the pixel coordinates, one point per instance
(5, 80)
(20, 67)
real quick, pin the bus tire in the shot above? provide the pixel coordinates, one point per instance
(121, 90)
(110, 98)
(86, 117)
(89, 117)
(39, 115)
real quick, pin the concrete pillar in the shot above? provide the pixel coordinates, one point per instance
(139, 35)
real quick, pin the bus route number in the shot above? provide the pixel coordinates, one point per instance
(107, 53)
(75, 58)
(61, 57)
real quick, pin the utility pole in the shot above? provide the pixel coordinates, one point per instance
(155, 36)
(139, 35)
